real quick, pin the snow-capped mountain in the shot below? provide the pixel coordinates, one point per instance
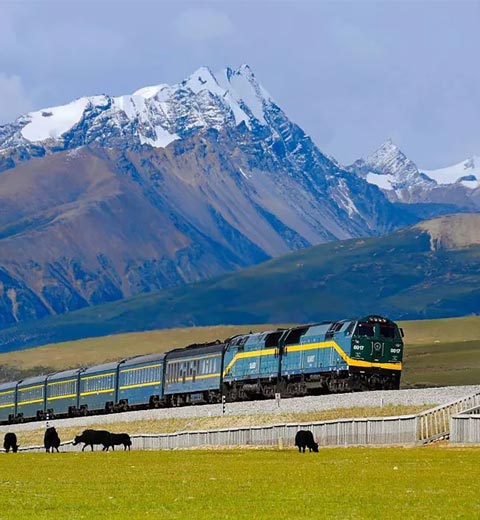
(467, 173)
(155, 115)
(107, 197)
(402, 181)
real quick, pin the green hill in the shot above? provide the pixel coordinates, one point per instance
(413, 273)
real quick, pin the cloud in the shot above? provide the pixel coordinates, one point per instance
(201, 24)
(14, 100)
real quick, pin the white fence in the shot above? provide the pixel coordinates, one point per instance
(435, 423)
(465, 427)
(373, 431)
(346, 432)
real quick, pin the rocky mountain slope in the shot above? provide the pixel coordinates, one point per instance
(402, 181)
(108, 197)
(424, 271)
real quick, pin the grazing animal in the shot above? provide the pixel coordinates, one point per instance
(304, 439)
(116, 439)
(91, 437)
(51, 440)
(10, 442)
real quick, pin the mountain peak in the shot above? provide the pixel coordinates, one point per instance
(154, 115)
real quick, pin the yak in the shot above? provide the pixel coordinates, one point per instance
(117, 439)
(91, 437)
(10, 442)
(304, 439)
(51, 440)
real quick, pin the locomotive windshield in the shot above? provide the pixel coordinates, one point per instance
(366, 329)
(387, 330)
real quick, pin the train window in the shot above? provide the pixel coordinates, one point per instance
(366, 329)
(294, 336)
(387, 330)
(271, 341)
(350, 328)
(241, 342)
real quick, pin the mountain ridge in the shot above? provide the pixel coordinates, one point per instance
(329, 281)
(91, 213)
(403, 181)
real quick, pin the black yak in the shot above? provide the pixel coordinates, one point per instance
(304, 439)
(91, 437)
(51, 440)
(117, 439)
(10, 442)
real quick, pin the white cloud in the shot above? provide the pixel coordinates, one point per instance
(14, 100)
(201, 24)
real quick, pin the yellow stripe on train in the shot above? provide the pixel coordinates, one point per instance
(313, 346)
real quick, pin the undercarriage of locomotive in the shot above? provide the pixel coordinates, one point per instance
(311, 384)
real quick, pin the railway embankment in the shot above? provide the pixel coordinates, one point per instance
(252, 413)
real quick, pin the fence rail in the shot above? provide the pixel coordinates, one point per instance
(465, 427)
(346, 432)
(435, 423)
(371, 431)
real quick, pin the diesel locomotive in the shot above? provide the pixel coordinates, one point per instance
(338, 356)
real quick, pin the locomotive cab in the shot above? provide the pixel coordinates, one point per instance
(377, 340)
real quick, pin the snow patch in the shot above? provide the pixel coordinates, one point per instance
(51, 123)
(385, 182)
(244, 89)
(163, 138)
(453, 174)
(149, 92)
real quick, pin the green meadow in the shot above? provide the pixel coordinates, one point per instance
(353, 483)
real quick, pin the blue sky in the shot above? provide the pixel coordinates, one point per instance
(351, 74)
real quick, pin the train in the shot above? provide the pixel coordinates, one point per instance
(327, 357)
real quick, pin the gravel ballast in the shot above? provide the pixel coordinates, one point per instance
(410, 397)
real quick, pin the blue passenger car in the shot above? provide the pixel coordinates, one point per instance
(62, 393)
(98, 388)
(140, 381)
(193, 374)
(31, 398)
(8, 393)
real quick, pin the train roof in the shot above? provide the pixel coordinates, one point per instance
(65, 374)
(138, 360)
(196, 349)
(8, 386)
(32, 380)
(102, 368)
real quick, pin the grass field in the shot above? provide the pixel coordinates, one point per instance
(35, 437)
(437, 352)
(353, 483)
(442, 352)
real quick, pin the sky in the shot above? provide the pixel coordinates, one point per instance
(351, 74)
